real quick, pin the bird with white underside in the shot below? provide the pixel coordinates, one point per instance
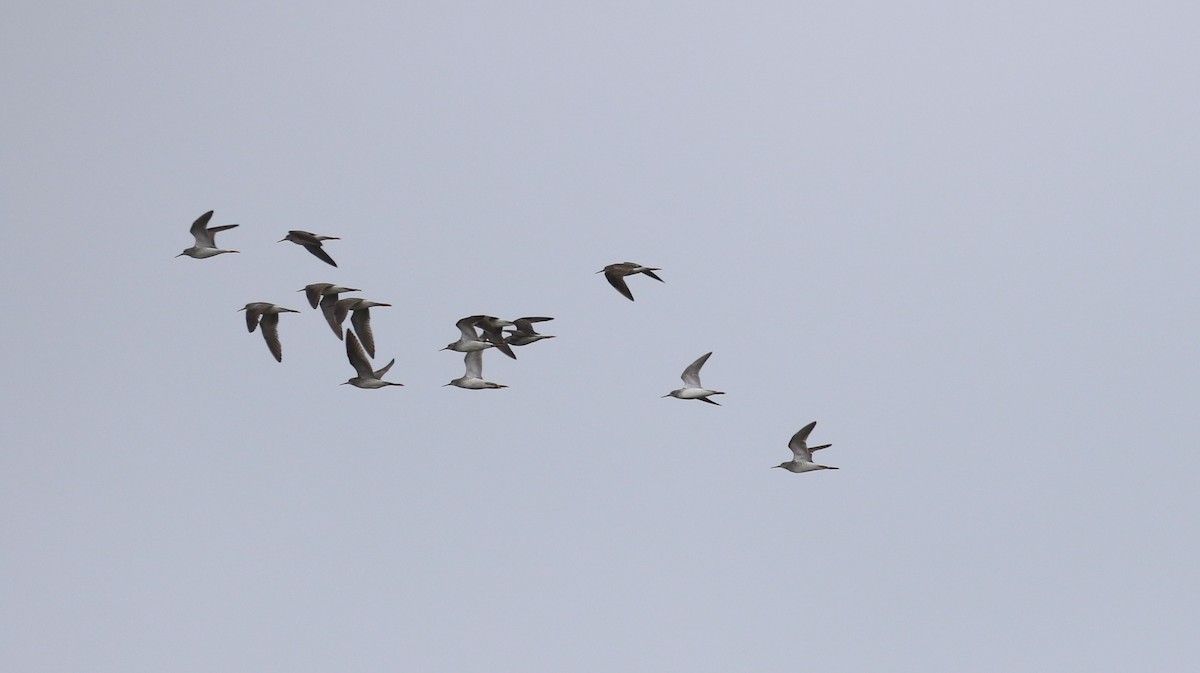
(802, 453)
(692, 388)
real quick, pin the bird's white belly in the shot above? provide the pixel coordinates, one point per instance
(799, 466)
(470, 346)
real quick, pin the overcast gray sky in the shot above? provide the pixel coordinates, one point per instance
(961, 236)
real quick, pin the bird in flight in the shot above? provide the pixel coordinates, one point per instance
(358, 359)
(615, 273)
(692, 389)
(325, 295)
(360, 318)
(802, 453)
(473, 378)
(206, 238)
(266, 315)
(311, 243)
(523, 333)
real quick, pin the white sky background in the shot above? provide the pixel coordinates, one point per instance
(962, 238)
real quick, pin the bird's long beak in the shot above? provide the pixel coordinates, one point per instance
(179, 255)
(667, 395)
(281, 240)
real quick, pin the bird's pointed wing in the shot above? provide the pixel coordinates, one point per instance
(804, 432)
(818, 448)
(252, 315)
(496, 338)
(328, 309)
(380, 373)
(315, 249)
(212, 233)
(799, 443)
(361, 319)
(474, 362)
(503, 347)
(650, 272)
(313, 293)
(467, 327)
(199, 231)
(358, 359)
(691, 375)
(525, 325)
(618, 282)
(270, 332)
(341, 309)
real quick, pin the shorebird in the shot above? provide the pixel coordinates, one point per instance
(615, 273)
(802, 454)
(473, 378)
(358, 359)
(492, 328)
(266, 315)
(206, 243)
(316, 291)
(524, 334)
(325, 295)
(311, 243)
(692, 390)
(361, 318)
(469, 341)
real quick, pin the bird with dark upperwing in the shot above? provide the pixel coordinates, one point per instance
(615, 273)
(492, 329)
(266, 315)
(312, 243)
(325, 296)
(360, 319)
(523, 333)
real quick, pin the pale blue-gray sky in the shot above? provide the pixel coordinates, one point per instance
(961, 237)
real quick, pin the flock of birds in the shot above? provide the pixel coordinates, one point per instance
(477, 332)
